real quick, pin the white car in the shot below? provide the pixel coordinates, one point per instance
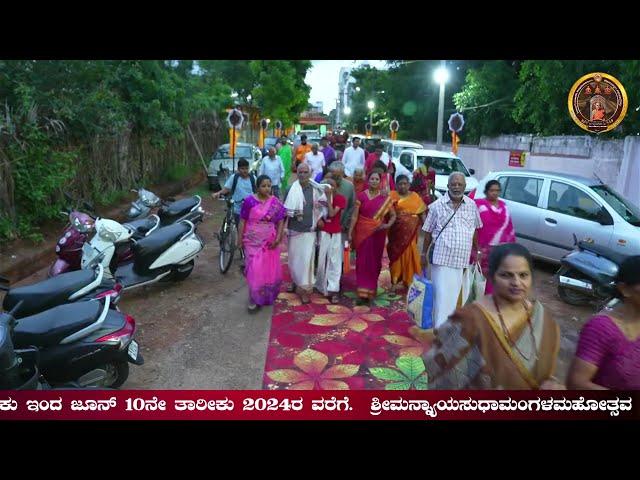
(444, 163)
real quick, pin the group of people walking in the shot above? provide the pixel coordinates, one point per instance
(505, 339)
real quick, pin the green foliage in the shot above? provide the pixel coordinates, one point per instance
(486, 100)
(46, 106)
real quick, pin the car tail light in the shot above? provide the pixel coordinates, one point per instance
(124, 335)
(114, 292)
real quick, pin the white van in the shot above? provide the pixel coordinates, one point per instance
(444, 163)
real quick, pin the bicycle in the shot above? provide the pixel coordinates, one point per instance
(228, 238)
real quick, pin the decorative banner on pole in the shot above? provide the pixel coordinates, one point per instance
(367, 127)
(456, 122)
(394, 126)
(264, 124)
(234, 119)
(278, 126)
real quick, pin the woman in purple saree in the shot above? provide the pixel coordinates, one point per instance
(260, 233)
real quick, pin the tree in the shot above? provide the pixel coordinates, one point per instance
(486, 100)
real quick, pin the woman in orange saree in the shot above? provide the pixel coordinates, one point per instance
(403, 235)
(368, 234)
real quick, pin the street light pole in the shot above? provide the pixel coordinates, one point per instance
(441, 106)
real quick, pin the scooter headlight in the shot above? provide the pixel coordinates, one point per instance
(107, 234)
(80, 226)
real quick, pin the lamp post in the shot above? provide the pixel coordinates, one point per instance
(371, 106)
(441, 75)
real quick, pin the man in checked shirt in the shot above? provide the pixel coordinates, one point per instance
(454, 236)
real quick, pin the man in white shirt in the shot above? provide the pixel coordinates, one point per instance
(273, 168)
(353, 158)
(315, 160)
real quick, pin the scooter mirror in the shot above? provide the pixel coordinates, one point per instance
(134, 190)
(88, 206)
(68, 197)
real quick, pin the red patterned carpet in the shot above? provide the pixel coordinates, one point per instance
(321, 346)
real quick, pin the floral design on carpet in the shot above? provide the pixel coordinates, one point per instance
(344, 347)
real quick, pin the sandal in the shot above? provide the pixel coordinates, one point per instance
(335, 299)
(291, 288)
(252, 308)
(305, 299)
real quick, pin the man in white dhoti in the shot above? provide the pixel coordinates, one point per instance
(303, 202)
(452, 224)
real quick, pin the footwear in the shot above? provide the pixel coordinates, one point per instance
(291, 288)
(335, 299)
(305, 299)
(252, 308)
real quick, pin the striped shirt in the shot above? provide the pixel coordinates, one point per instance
(453, 248)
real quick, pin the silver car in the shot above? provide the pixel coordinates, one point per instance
(548, 209)
(222, 164)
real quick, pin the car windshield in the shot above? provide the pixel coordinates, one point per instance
(621, 205)
(223, 152)
(445, 166)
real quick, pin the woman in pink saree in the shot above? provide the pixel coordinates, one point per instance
(260, 233)
(497, 227)
(368, 234)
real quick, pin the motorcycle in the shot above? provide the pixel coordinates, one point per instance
(86, 343)
(588, 274)
(167, 254)
(81, 285)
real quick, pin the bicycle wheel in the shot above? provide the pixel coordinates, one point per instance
(227, 246)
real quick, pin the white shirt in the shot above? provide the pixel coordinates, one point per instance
(384, 158)
(454, 233)
(315, 162)
(274, 169)
(352, 160)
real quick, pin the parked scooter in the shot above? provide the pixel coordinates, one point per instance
(75, 234)
(167, 254)
(81, 225)
(18, 368)
(169, 212)
(589, 274)
(70, 287)
(87, 343)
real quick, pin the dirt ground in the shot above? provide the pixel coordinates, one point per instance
(197, 334)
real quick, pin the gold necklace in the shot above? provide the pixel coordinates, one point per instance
(506, 331)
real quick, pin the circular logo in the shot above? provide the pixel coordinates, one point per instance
(598, 102)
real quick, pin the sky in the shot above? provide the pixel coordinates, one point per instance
(323, 79)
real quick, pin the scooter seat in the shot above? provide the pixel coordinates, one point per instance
(177, 209)
(47, 294)
(142, 227)
(603, 251)
(147, 250)
(52, 326)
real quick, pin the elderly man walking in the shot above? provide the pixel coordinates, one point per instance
(451, 226)
(303, 204)
(346, 189)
